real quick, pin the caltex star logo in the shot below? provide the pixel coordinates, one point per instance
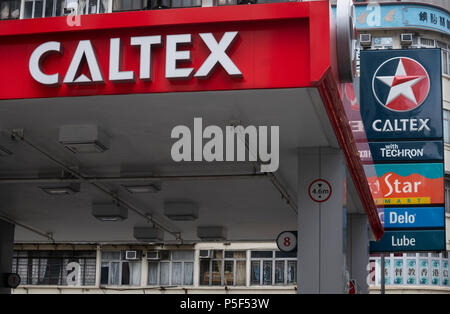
(401, 84)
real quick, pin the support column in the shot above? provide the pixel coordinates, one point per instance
(6, 253)
(358, 250)
(321, 257)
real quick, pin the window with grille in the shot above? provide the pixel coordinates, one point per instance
(273, 268)
(48, 8)
(174, 268)
(427, 43)
(116, 270)
(9, 9)
(447, 126)
(50, 267)
(416, 269)
(447, 196)
(382, 43)
(445, 57)
(225, 268)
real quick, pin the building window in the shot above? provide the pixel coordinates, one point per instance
(128, 5)
(173, 268)
(447, 126)
(420, 42)
(427, 43)
(382, 43)
(48, 8)
(134, 5)
(49, 267)
(430, 269)
(445, 57)
(117, 270)
(447, 196)
(9, 9)
(225, 268)
(186, 3)
(226, 2)
(273, 268)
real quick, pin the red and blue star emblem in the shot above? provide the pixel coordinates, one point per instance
(401, 84)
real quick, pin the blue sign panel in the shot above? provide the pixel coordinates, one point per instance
(410, 241)
(412, 217)
(402, 94)
(407, 151)
(401, 15)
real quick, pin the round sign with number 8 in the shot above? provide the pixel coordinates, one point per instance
(287, 241)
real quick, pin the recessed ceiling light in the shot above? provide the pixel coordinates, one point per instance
(83, 138)
(86, 147)
(147, 188)
(109, 212)
(62, 190)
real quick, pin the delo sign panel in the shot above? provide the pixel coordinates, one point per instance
(412, 217)
(412, 241)
(407, 151)
(403, 98)
(408, 184)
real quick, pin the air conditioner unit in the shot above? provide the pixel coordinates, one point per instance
(131, 255)
(406, 39)
(365, 40)
(153, 255)
(205, 254)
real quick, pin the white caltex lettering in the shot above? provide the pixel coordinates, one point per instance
(401, 125)
(175, 52)
(84, 49)
(218, 55)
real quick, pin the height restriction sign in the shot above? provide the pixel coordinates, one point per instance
(320, 190)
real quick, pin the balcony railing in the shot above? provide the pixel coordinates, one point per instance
(25, 9)
(440, 3)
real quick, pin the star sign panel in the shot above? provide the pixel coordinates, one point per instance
(402, 94)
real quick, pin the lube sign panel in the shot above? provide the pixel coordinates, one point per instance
(400, 241)
(401, 108)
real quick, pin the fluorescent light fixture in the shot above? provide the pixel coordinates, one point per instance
(62, 190)
(146, 188)
(4, 152)
(83, 138)
(212, 233)
(181, 211)
(109, 212)
(148, 234)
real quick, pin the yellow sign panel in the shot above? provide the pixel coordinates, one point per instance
(403, 201)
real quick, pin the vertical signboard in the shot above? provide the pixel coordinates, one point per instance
(401, 108)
